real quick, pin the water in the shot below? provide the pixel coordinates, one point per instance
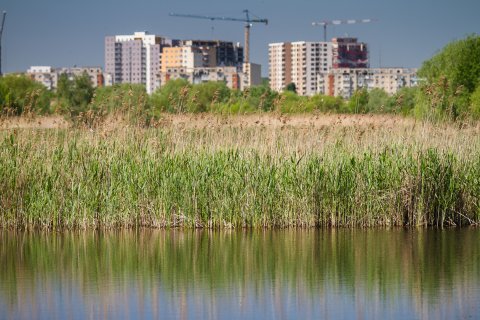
(313, 274)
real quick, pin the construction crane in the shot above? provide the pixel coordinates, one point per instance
(248, 24)
(1, 31)
(326, 23)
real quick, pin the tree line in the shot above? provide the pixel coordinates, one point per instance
(450, 90)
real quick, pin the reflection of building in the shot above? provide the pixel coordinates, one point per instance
(134, 58)
(48, 76)
(299, 63)
(345, 81)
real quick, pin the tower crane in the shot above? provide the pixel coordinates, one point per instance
(248, 24)
(1, 31)
(326, 23)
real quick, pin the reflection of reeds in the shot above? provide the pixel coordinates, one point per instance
(237, 175)
(378, 267)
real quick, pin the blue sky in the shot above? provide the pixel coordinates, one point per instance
(66, 32)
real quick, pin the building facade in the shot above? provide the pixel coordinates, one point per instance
(349, 53)
(134, 58)
(217, 53)
(230, 75)
(48, 76)
(344, 82)
(251, 75)
(186, 57)
(299, 63)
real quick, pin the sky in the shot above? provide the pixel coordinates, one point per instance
(62, 33)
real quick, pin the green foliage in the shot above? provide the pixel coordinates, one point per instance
(178, 96)
(358, 103)
(475, 103)
(290, 102)
(451, 77)
(439, 102)
(291, 87)
(403, 101)
(172, 97)
(207, 96)
(261, 98)
(379, 101)
(19, 94)
(156, 177)
(74, 95)
(459, 62)
(120, 98)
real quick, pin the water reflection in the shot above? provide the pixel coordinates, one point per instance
(241, 274)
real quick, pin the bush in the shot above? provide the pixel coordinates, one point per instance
(451, 77)
(19, 94)
(172, 97)
(475, 103)
(74, 96)
(358, 103)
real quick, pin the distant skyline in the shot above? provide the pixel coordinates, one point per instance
(62, 33)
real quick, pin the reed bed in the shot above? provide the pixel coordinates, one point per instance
(227, 174)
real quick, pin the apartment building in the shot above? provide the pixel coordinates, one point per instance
(344, 82)
(251, 75)
(230, 75)
(217, 52)
(134, 58)
(186, 57)
(299, 63)
(280, 65)
(48, 75)
(349, 53)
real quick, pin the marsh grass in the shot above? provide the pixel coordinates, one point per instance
(223, 175)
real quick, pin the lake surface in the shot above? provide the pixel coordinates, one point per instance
(294, 274)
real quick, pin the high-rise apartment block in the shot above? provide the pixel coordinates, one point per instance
(217, 52)
(349, 53)
(299, 63)
(208, 60)
(153, 60)
(186, 57)
(134, 58)
(336, 68)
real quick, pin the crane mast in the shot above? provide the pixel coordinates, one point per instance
(326, 23)
(248, 24)
(1, 32)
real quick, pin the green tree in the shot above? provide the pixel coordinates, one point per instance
(82, 92)
(459, 62)
(451, 77)
(358, 103)
(404, 100)
(378, 101)
(475, 103)
(74, 96)
(19, 93)
(171, 97)
(64, 88)
(291, 87)
(324, 103)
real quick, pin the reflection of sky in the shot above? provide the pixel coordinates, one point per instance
(59, 299)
